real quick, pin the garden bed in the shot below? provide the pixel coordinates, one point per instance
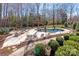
(10, 49)
(2, 38)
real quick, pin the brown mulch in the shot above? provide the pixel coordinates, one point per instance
(2, 38)
(8, 50)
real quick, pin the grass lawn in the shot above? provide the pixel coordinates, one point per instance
(56, 26)
(74, 38)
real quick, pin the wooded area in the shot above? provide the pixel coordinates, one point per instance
(36, 14)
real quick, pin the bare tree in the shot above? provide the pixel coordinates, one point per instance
(63, 13)
(5, 12)
(18, 16)
(5, 9)
(21, 15)
(77, 11)
(44, 15)
(37, 10)
(54, 16)
(71, 11)
(0, 10)
(27, 14)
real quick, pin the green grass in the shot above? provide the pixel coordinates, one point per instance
(74, 38)
(56, 26)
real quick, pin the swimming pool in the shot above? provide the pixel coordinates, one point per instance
(52, 30)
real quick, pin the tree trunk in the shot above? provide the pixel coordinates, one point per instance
(53, 17)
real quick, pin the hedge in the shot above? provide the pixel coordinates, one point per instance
(72, 43)
(67, 50)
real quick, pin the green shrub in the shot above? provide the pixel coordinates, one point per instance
(74, 38)
(67, 50)
(72, 34)
(70, 48)
(39, 49)
(4, 30)
(65, 24)
(77, 33)
(66, 37)
(54, 45)
(1, 31)
(10, 29)
(72, 43)
(77, 28)
(74, 25)
(60, 40)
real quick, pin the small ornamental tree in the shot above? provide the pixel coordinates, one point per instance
(77, 27)
(66, 37)
(74, 26)
(54, 45)
(77, 33)
(66, 24)
(60, 40)
(39, 49)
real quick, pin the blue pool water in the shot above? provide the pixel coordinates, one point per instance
(53, 30)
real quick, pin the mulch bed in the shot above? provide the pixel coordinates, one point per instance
(8, 50)
(2, 38)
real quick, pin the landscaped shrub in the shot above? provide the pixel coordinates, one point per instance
(72, 34)
(1, 31)
(39, 49)
(65, 24)
(72, 43)
(10, 29)
(54, 45)
(74, 38)
(77, 33)
(74, 26)
(70, 48)
(67, 50)
(5, 30)
(77, 28)
(66, 37)
(60, 40)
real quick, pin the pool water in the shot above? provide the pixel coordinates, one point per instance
(53, 30)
